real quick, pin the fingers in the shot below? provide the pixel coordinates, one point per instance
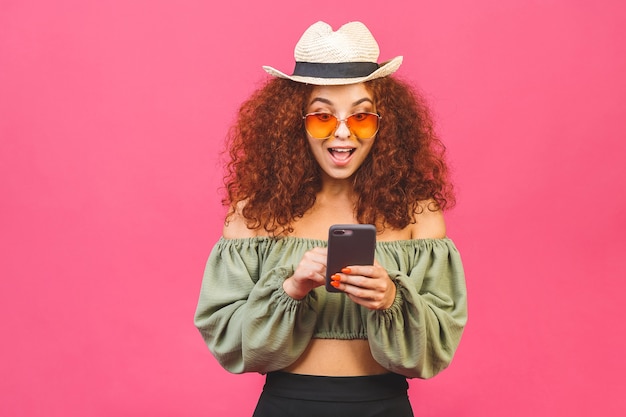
(368, 285)
(317, 255)
(371, 299)
(308, 274)
(366, 276)
(361, 286)
(313, 261)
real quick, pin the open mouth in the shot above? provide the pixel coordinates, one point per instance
(341, 154)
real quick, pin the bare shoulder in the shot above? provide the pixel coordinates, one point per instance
(235, 226)
(430, 223)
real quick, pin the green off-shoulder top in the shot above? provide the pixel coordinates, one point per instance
(251, 325)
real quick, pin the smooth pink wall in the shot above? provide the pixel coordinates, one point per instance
(111, 117)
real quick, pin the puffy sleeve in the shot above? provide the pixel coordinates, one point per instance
(418, 335)
(242, 305)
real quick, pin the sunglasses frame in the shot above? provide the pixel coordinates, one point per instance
(344, 120)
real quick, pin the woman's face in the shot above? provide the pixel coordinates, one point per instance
(342, 153)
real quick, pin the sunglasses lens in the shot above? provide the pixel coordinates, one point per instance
(320, 125)
(363, 125)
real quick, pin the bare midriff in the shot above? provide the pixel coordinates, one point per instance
(333, 357)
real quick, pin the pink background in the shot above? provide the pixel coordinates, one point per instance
(111, 116)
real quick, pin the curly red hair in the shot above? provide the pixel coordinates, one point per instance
(273, 171)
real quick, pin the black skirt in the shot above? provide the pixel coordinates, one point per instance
(286, 395)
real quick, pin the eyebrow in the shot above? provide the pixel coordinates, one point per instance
(330, 103)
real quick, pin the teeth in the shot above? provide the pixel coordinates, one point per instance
(340, 150)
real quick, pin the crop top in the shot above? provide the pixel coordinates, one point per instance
(251, 325)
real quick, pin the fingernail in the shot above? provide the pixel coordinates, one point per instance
(335, 277)
(346, 270)
(335, 284)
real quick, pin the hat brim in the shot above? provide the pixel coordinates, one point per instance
(385, 69)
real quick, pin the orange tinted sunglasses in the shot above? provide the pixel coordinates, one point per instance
(321, 125)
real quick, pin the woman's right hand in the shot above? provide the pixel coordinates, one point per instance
(309, 274)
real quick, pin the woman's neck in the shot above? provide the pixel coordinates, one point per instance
(337, 188)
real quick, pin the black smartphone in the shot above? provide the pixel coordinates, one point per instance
(349, 244)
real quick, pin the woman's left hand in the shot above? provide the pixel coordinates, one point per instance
(367, 285)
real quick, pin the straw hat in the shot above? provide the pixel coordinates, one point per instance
(347, 56)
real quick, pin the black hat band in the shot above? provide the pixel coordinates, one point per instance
(338, 70)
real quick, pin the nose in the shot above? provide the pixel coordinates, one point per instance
(342, 130)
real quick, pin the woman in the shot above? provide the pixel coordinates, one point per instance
(339, 141)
